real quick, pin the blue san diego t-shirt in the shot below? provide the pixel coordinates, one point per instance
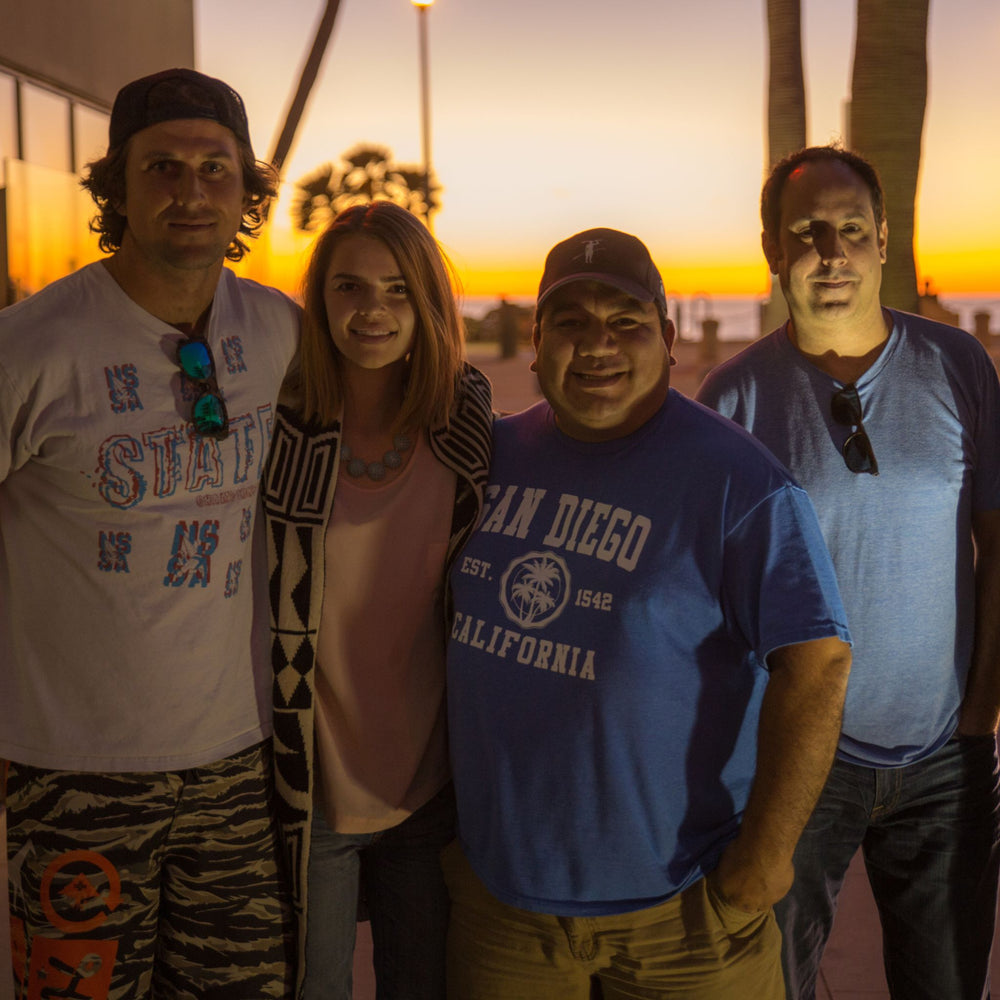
(613, 613)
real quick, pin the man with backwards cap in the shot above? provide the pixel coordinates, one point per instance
(647, 666)
(136, 400)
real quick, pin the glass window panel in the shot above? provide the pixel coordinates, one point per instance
(90, 132)
(47, 235)
(45, 128)
(8, 121)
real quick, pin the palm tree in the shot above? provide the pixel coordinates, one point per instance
(364, 173)
(786, 111)
(533, 589)
(786, 89)
(889, 95)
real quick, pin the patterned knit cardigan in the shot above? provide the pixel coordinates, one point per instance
(299, 483)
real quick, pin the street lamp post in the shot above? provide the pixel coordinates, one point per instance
(425, 103)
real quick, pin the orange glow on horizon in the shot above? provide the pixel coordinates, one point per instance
(280, 256)
(280, 259)
(959, 272)
(749, 280)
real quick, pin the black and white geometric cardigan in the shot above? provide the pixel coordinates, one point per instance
(299, 484)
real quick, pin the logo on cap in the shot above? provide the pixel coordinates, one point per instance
(589, 250)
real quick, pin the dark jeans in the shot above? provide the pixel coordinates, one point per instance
(929, 835)
(399, 873)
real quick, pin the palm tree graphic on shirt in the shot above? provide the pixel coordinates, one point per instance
(534, 589)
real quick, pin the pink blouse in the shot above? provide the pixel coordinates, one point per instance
(380, 706)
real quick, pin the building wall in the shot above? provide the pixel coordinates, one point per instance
(89, 48)
(61, 64)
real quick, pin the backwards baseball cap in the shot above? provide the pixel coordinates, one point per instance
(173, 94)
(606, 256)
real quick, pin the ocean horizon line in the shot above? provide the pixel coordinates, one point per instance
(738, 315)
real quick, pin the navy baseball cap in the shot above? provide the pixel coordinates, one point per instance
(607, 256)
(173, 94)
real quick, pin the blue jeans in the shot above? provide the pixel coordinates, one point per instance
(398, 872)
(929, 835)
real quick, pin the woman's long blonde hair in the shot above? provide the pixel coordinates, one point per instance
(436, 358)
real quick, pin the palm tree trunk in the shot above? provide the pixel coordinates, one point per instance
(283, 144)
(786, 89)
(889, 95)
(786, 112)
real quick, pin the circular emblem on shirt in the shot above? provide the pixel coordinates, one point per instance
(534, 589)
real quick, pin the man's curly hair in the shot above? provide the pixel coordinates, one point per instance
(105, 180)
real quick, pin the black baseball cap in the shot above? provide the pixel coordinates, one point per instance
(173, 94)
(606, 256)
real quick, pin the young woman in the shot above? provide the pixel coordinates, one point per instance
(379, 459)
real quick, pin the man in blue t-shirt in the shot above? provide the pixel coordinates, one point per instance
(892, 425)
(647, 663)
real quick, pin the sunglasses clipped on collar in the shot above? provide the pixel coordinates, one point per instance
(209, 414)
(846, 409)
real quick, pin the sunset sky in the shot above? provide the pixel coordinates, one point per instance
(552, 116)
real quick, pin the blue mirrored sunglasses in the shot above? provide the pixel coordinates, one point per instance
(209, 414)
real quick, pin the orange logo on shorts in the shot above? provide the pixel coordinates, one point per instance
(79, 890)
(18, 949)
(71, 969)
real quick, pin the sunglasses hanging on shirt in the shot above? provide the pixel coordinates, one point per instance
(858, 454)
(209, 414)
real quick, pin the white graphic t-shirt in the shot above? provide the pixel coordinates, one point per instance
(130, 634)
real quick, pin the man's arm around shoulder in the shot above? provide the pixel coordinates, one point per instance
(800, 721)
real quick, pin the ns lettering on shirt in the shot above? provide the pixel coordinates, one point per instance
(166, 462)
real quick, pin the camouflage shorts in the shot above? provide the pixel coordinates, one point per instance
(147, 884)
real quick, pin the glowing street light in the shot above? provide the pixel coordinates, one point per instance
(425, 103)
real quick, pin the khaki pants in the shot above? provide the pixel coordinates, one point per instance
(694, 946)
